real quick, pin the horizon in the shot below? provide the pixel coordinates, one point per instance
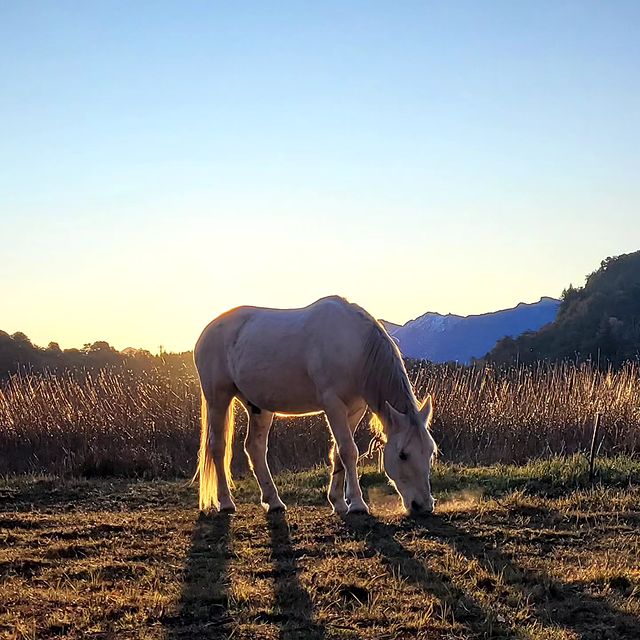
(166, 163)
(158, 351)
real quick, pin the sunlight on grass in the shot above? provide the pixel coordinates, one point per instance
(463, 500)
(510, 552)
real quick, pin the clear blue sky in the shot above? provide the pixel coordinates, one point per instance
(161, 162)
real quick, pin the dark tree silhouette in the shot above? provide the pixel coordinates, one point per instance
(598, 322)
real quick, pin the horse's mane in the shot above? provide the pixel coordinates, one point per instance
(384, 374)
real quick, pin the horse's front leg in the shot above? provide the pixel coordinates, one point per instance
(337, 415)
(336, 484)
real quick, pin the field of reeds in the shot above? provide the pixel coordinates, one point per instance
(115, 422)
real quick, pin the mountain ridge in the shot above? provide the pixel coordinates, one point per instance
(470, 315)
(452, 337)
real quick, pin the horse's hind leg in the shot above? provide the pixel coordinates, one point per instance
(255, 445)
(219, 413)
(336, 484)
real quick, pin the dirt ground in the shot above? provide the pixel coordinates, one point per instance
(504, 557)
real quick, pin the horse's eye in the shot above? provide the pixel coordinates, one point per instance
(403, 455)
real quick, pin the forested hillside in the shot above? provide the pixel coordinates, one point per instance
(599, 321)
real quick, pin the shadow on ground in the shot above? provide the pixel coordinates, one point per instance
(456, 605)
(203, 609)
(568, 605)
(293, 603)
(551, 603)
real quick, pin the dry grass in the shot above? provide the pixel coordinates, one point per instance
(117, 423)
(485, 415)
(514, 552)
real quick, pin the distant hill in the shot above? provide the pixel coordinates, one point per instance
(599, 322)
(446, 338)
(390, 327)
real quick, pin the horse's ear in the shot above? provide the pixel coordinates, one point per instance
(396, 419)
(426, 410)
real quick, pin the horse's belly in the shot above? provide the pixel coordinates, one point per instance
(293, 394)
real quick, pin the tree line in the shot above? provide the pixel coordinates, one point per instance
(19, 355)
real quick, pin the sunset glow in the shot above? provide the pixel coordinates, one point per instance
(224, 156)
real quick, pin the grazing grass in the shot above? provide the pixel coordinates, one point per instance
(531, 552)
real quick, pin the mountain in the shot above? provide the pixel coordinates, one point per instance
(390, 327)
(598, 322)
(445, 338)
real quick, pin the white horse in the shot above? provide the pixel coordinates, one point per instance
(331, 356)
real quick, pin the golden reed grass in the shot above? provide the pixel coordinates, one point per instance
(119, 423)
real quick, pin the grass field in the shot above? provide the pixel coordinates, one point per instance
(513, 552)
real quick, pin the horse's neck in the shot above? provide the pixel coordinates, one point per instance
(384, 376)
(399, 396)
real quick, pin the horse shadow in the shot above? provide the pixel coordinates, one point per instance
(577, 610)
(294, 608)
(203, 611)
(380, 537)
(552, 602)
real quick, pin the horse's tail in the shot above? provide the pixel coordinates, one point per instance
(206, 467)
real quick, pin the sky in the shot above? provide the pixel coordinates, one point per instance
(162, 162)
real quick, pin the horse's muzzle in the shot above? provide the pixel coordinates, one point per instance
(420, 509)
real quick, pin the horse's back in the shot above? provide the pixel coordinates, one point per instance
(327, 320)
(322, 328)
(284, 359)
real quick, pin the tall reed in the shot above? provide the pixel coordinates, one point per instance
(116, 422)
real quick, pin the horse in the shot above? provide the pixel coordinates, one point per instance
(331, 356)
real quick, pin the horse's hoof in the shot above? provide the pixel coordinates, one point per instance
(227, 508)
(358, 509)
(276, 508)
(340, 508)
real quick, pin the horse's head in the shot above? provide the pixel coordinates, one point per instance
(408, 453)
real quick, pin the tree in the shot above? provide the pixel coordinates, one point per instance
(598, 322)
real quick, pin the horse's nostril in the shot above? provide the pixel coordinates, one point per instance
(415, 506)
